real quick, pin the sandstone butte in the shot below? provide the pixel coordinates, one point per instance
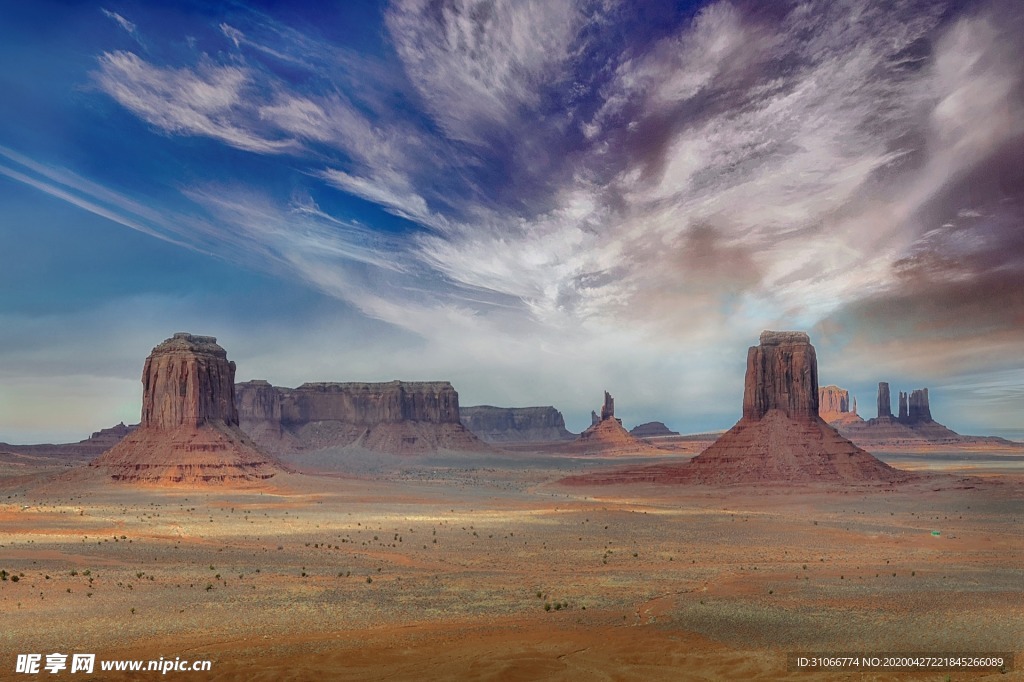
(779, 439)
(913, 425)
(189, 431)
(834, 406)
(399, 417)
(515, 424)
(607, 437)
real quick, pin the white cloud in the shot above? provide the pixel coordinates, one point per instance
(208, 101)
(128, 26)
(478, 64)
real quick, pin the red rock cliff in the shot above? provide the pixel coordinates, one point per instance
(782, 374)
(397, 416)
(188, 381)
(189, 431)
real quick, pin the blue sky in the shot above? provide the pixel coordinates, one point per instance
(535, 200)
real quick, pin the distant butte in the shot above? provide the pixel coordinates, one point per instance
(189, 431)
(607, 437)
(780, 437)
(399, 417)
(515, 424)
(834, 406)
(912, 427)
(652, 430)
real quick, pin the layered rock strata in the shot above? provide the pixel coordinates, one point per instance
(515, 424)
(400, 417)
(189, 431)
(779, 439)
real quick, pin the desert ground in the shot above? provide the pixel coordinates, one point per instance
(466, 566)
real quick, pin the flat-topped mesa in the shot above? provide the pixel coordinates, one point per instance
(832, 400)
(189, 431)
(515, 424)
(782, 374)
(834, 406)
(391, 402)
(403, 417)
(884, 400)
(188, 381)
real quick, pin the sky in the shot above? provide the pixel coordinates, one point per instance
(536, 200)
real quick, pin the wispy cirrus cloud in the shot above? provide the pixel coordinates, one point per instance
(211, 101)
(129, 27)
(479, 66)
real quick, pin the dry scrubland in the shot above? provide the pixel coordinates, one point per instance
(485, 567)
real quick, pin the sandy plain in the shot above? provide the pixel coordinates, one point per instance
(485, 567)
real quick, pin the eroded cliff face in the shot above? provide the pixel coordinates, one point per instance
(834, 406)
(884, 400)
(189, 431)
(832, 400)
(369, 404)
(515, 424)
(782, 374)
(402, 417)
(188, 381)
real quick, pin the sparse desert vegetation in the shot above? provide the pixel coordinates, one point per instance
(566, 578)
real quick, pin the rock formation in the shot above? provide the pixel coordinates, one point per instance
(607, 437)
(834, 406)
(919, 409)
(652, 430)
(515, 424)
(400, 417)
(87, 449)
(913, 427)
(779, 439)
(832, 400)
(189, 431)
(884, 401)
(594, 419)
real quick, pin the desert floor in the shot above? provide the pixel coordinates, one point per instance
(484, 567)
